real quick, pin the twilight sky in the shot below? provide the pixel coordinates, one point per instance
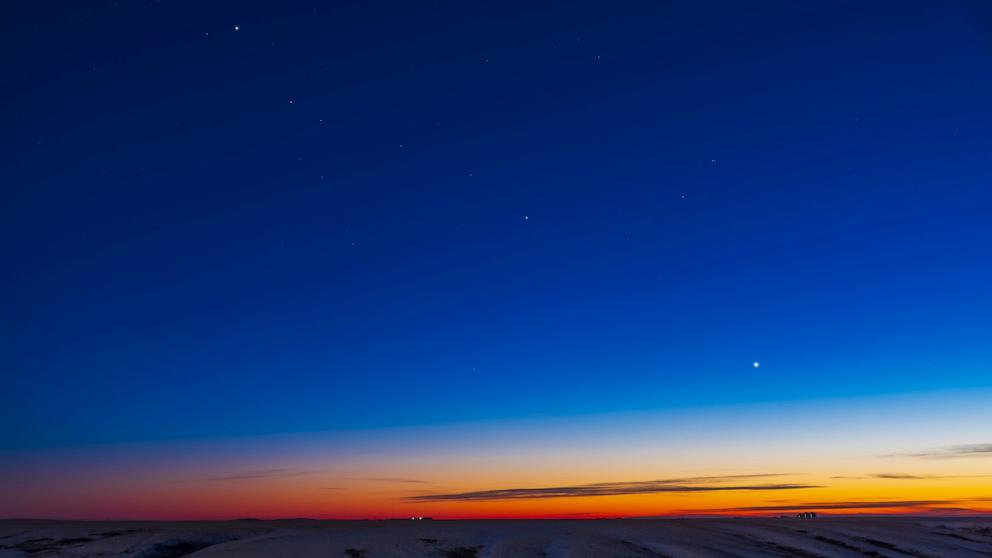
(492, 259)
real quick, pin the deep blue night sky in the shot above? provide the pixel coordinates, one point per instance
(245, 218)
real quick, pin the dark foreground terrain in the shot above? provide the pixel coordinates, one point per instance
(804, 538)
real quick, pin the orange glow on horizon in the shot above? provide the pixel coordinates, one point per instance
(744, 462)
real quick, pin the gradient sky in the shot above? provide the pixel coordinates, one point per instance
(371, 259)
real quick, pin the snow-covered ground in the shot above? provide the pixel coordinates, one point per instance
(803, 538)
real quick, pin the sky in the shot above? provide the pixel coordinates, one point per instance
(465, 259)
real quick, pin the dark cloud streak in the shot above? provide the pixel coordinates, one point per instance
(248, 475)
(905, 476)
(843, 505)
(857, 504)
(690, 484)
(951, 452)
(395, 479)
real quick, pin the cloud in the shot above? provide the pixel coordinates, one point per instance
(395, 479)
(950, 452)
(690, 484)
(844, 505)
(247, 475)
(857, 504)
(899, 476)
(904, 476)
(908, 476)
(329, 488)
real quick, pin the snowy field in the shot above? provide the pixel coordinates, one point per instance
(804, 538)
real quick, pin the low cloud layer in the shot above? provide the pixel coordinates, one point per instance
(395, 479)
(247, 475)
(690, 484)
(905, 476)
(845, 505)
(860, 505)
(950, 452)
(908, 476)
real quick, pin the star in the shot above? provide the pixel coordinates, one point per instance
(237, 28)
(526, 217)
(757, 364)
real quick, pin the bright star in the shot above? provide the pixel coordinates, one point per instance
(757, 364)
